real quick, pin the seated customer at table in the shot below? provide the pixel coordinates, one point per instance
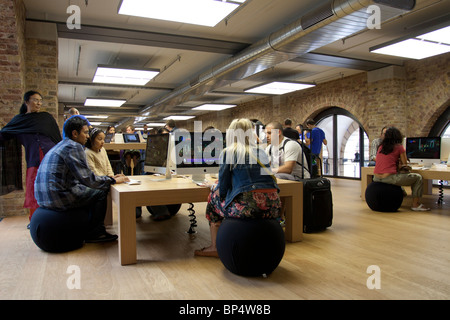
(96, 155)
(64, 182)
(245, 188)
(391, 156)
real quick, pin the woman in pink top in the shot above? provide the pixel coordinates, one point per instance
(391, 155)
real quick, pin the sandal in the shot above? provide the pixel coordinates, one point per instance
(203, 253)
(421, 207)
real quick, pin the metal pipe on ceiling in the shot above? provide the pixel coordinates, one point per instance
(328, 23)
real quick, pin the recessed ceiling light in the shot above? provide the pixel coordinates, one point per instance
(214, 107)
(114, 75)
(96, 117)
(92, 102)
(200, 12)
(414, 49)
(418, 47)
(279, 87)
(95, 123)
(179, 117)
(155, 124)
(441, 35)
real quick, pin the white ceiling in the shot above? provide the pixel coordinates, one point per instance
(186, 54)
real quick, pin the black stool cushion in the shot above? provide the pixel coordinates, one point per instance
(250, 247)
(58, 231)
(384, 197)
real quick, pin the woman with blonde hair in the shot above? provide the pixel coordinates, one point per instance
(246, 187)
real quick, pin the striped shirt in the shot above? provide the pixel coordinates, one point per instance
(64, 179)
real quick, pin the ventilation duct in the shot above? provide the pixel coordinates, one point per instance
(335, 20)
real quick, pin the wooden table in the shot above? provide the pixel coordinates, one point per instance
(427, 175)
(125, 146)
(153, 190)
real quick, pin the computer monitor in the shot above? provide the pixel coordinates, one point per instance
(109, 138)
(197, 153)
(131, 138)
(445, 149)
(156, 154)
(423, 150)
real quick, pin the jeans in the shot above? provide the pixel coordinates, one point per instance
(405, 179)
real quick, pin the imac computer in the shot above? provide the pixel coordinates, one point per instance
(109, 137)
(131, 138)
(445, 149)
(424, 150)
(157, 154)
(197, 153)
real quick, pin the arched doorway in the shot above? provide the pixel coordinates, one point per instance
(348, 144)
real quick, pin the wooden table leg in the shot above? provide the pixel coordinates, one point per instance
(126, 211)
(294, 214)
(366, 179)
(109, 211)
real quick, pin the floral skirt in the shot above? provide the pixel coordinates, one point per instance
(247, 205)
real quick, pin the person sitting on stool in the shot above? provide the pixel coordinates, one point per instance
(65, 182)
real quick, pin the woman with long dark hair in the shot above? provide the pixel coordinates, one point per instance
(391, 156)
(38, 132)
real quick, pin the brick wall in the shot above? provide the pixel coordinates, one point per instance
(410, 97)
(27, 62)
(12, 58)
(12, 80)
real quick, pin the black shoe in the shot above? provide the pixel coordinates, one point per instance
(104, 237)
(138, 212)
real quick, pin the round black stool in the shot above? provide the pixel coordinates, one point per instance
(384, 197)
(250, 247)
(58, 231)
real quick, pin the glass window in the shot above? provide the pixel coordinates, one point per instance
(348, 145)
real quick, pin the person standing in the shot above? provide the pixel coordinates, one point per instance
(374, 147)
(75, 112)
(38, 132)
(289, 132)
(170, 125)
(315, 139)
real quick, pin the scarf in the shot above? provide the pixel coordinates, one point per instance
(11, 150)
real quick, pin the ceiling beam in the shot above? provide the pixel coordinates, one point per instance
(116, 86)
(146, 38)
(339, 62)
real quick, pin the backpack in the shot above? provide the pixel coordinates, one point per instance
(306, 152)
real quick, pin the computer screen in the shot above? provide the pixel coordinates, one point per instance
(131, 138)
(423, 149)
(109, 138)
(156, 153)
(197, 153)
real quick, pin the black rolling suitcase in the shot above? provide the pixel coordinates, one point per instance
(317, 201)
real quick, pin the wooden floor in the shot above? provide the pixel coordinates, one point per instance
(410, 248)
